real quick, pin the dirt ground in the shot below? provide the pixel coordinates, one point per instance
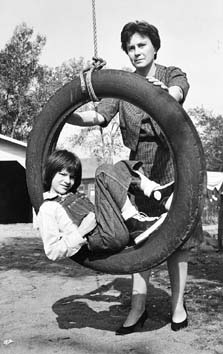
(60, 307)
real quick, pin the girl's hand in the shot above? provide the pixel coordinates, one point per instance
(88, 224)
(156, 82)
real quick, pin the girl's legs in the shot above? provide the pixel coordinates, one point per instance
(113, 207)
(177, 267)
(111, 195)
(139, 295)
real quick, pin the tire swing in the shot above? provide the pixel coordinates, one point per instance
(183, 140)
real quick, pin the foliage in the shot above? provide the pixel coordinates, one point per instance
(107, 143)
(104, 144)
(25, 85)
(18, 69)
(50, 80)
(210, 128)
(111, 142)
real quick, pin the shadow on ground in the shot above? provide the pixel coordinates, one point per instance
(100, 309)
(103, 310)
(27, 254)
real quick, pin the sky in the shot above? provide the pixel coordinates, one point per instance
(191, 34)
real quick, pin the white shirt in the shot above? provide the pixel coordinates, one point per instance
(61, 237)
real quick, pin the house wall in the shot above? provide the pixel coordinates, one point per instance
(87, 186)
(15, 206)
(12, 150)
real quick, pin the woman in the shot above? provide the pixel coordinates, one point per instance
(141, 42)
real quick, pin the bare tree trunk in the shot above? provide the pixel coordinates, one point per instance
(14, 126)
(105, 151)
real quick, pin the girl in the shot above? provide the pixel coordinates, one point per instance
(68, 220)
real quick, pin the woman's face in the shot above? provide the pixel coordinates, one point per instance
(62, 182)
(141, 52)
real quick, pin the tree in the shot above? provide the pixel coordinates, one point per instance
(18, 69)
(210, 128)
(111, 145)
(49, 80)
(104, 144)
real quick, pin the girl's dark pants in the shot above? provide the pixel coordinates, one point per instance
(112, 183)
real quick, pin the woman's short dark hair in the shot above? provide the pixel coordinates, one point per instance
(142, 27)
(58, 161)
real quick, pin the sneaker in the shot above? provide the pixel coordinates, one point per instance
(141, 226)
(162, 193)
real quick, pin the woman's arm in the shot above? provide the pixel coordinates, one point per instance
(174, 91)
(104, 113)
(177, 83)
(86, 119)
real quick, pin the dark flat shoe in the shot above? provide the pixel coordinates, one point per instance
(177, 326)
(121, 331)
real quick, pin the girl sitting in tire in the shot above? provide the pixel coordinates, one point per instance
(68, 220)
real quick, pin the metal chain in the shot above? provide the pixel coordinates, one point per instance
(94, 29)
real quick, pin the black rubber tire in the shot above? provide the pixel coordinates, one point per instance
(184, 143)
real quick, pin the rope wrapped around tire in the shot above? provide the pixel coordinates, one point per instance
(183, 140)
